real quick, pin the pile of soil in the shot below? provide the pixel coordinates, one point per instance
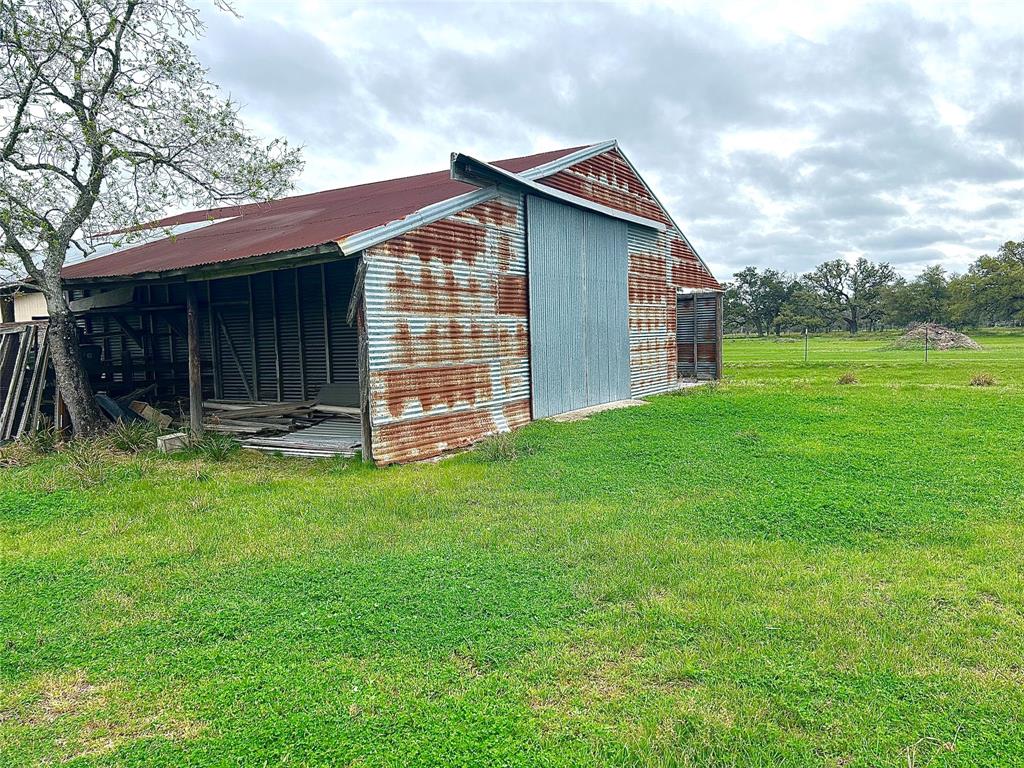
(939, 337)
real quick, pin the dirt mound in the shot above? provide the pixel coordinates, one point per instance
(939, 337)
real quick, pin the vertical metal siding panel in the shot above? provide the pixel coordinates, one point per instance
(658, 265)
(288, 333)
(607, 309)
(314, 342)
(344, 340)
(578, 308)
(447, 332)
(558, 359)
(230, 298)
(263, 316)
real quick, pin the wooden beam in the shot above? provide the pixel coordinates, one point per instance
(130, 332)
(113, 298)
(195, 381)
(37, 407)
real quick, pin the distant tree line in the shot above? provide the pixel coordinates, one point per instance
(838, 295)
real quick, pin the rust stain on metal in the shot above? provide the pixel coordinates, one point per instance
(687, 271)
(447, 241)
(496, 213)
(436, 292)
(517, 413)
(513, 298)
(608, 179)
(505, 249)
(454, 342)
(433, 435)
(444, 385)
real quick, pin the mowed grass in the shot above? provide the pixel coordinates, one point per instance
(778, 570)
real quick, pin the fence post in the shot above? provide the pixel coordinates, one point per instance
(805, 344)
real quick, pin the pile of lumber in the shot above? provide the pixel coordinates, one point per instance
(258, 418)
(24, 361)
(333, 402)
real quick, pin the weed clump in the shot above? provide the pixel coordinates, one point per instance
(132, 436)
(87, 460)
(847, 378)
(42, 441)
(500, 448)
(215, 446)
(983, 380)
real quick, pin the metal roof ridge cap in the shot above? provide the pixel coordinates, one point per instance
(428, 214)
(561, 163)
(557, 194)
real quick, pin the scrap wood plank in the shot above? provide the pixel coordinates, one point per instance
(17, 379)
(276, 409)
(267, 424)
(151, 414)
(36, 382)
(343, 410)
(111, 407)
(37, 407)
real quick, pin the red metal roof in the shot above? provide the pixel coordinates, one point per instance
(289, 223)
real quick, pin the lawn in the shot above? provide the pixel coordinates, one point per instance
(778, 570)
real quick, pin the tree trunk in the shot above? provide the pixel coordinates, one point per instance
(852, 324)
(75, 389)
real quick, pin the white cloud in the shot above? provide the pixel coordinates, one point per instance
(779, 135)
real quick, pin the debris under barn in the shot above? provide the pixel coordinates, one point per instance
(406, 318)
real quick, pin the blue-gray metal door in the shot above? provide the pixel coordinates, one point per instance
(579, 307)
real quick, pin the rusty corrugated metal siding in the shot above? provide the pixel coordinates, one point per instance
(608, 179)
(652, 315)
(659, 264)
(446, 315)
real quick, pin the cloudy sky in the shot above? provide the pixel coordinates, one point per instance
(776, 136)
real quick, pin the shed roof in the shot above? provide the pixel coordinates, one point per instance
(291, 223)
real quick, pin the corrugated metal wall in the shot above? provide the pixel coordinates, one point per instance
(446, 316)
(659, 264)
(579, 337)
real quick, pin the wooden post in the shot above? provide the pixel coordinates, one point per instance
(195, 381)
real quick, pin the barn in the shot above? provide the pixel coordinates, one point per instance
(421, 314)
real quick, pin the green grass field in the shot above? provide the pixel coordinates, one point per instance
(779, 570)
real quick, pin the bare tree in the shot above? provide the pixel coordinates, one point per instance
(106, 120)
